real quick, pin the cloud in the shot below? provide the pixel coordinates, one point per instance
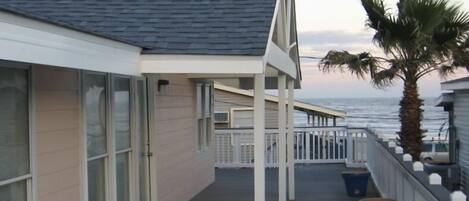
(333, 37)
(318, 43)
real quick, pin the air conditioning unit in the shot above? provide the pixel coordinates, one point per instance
(222, 117)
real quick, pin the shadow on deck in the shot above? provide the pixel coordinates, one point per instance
(314, 182)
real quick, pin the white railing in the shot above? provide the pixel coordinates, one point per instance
(397, 177)
(235, 147)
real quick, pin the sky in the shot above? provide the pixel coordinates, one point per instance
(325, 25)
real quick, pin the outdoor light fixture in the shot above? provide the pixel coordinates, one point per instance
(162, 83)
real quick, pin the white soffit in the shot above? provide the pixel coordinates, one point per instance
(27, 40)
(202, 64)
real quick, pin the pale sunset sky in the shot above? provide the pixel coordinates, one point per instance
(325, 25)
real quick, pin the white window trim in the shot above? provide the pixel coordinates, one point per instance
(31, 177)
(234, 109)
(203, 144)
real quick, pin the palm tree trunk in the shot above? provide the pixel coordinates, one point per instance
(410, 114)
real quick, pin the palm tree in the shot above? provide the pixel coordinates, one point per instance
(424, 36)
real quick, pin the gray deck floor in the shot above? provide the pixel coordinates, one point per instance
(314, 182)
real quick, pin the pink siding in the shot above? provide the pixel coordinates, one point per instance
(57, 136)
(182, 171)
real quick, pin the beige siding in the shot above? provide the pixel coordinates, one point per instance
(461, 121)
(224, 101)
(57, 136)
(182, 172)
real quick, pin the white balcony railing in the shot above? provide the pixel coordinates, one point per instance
(396, 176)
(235, 147)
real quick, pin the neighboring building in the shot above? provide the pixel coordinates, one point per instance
(112, 100)
(457, 105)
(234, 109)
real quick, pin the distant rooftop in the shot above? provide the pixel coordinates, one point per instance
(457, 84)
(301, 106)
(464, 79)
(215, 27)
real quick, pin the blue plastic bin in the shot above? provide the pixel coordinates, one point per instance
(356, 182)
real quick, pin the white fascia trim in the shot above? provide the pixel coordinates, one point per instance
(279, 59)
(26, 40)
(463, 85)
(202, 64)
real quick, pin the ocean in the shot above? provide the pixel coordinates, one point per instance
(381, 114)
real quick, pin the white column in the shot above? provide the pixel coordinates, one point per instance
(282, 144)
(291, 156)
(259, 137)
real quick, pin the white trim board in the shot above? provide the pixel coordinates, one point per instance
(27, 40)
(280, 60)
(202, 64)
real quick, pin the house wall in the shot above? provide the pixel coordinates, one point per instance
(224, 101)
(57, 134)
(461, 121)
(182, 171)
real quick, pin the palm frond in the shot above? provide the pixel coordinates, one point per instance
(357, 64)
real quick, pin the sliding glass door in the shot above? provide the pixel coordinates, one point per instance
(15, 168)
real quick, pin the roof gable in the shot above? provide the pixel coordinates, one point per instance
(215, 27)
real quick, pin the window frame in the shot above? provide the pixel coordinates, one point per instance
(30, 178)
(106, 156)
(204, 109)
(128, 151)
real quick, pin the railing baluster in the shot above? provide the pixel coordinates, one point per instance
(298, 147)
(334, 141)
(323, 139)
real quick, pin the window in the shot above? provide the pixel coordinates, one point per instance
(15, 171)
(108, 117)
(121, 119)
(204, 110)
(96, 138)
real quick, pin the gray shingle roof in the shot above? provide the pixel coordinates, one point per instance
(215, 27)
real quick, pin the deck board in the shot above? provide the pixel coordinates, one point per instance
(314, 182)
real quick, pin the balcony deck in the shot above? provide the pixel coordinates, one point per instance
(314, 182)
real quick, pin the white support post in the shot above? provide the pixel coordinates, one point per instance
(350, 154)
(282, 145)
(259, 137)
(290, 142)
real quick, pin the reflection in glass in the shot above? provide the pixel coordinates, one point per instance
(95, 92)
(122, 113)
(122, 180)
(14, 192)
(96, 180)
(14, 123)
